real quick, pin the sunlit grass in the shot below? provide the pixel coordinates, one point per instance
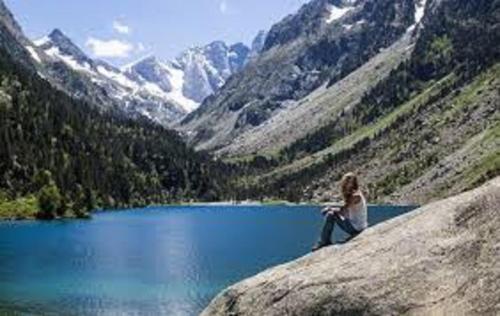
(21, 208)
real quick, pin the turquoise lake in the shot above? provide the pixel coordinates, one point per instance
(154, 261)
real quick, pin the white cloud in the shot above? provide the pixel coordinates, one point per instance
(109, 48)
(223, 8)
(121, 27)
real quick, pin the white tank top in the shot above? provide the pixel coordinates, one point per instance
(358, 214)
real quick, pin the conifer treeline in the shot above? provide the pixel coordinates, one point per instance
(54, 146)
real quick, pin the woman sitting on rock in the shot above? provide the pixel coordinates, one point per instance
(352, 217)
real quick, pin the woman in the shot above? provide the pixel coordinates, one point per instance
(352, 217)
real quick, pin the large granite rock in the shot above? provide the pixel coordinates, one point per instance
(443, 259)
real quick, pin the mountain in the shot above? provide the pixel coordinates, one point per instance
(135, 96)
(12, 39)
(257, 45)
(161, 91)
(69, 154)
(207, 68)
(321, 44)
(10, 23)
(404, 92)
(197, 73)
(59, 45)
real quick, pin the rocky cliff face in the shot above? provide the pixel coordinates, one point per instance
(12, 39)
(441, 259)
(257, 45)
(207, 68)
(10, 22)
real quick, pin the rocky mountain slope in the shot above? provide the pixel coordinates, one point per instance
(12, 39)
(427, 130)
(320, 107)
(441, 259)
(418, 119)
(318, 46)
(161, 91)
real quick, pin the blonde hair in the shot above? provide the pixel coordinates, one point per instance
(349, 184)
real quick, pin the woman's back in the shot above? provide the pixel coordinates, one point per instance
(358, 212)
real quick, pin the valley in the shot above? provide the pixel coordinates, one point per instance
(149, 185)
(402, 92)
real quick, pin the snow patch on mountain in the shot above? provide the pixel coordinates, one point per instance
(34, 54)
(41, 41)
(420, 10)
(419, 14)
(69, 60)
(335, 13)
(176, 93)
(119, 77)
(197, 73)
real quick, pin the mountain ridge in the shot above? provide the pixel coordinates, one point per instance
(308, 53)
(161, 91)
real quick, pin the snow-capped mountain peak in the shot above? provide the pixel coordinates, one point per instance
(166, 78)
(58, 46)
(57, 39)
(134, 95)
(207, 68)
(164, 91)
(152, 70)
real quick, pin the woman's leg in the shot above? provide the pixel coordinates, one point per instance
(346, 225)
(327, 230)
(332, 218)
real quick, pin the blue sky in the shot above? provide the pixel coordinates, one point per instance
(121, 31)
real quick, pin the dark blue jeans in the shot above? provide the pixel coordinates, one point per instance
(330, 220)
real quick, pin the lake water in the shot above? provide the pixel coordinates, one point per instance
(168, 260)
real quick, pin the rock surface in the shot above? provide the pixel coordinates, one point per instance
(439, 260)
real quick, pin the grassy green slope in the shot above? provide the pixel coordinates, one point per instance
(441, 141)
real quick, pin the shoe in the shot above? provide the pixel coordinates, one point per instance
(347, 239)
(319, 246)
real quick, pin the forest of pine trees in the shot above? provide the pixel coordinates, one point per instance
(72, 158)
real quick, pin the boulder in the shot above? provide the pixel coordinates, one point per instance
(442, 259)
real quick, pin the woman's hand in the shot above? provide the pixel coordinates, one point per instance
(330, 209)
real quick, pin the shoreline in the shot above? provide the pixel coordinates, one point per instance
(248, 203)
